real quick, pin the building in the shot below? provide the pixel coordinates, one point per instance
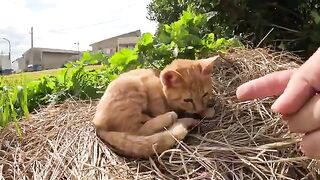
(114, 44)
(15, 65)
(45, 58)
(5, 64)
(18, 65)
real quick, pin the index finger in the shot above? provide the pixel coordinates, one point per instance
(269, 85)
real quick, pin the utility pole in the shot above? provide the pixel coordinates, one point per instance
(31, 37)
(77, 43)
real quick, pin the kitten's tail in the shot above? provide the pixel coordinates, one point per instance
(145, 146)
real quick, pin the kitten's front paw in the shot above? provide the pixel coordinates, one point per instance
(188, 122)
(173, 115)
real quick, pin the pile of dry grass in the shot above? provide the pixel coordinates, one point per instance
(245, 140)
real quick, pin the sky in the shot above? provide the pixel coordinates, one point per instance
(62, 23)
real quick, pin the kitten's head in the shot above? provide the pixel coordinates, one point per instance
(187, 84)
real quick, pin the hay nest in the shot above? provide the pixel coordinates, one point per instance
(245, 140)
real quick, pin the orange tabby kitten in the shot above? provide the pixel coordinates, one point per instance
(136, 115)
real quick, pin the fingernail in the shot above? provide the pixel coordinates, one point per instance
(274, 106)
(239, 92)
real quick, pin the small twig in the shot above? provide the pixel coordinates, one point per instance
(265, 37)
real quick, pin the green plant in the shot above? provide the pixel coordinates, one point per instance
(13, 105)
(186, 38)
(74, 80)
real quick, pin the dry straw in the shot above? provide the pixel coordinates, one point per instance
(245, 140)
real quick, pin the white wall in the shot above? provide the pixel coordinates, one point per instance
(15, 66)
(5, 62)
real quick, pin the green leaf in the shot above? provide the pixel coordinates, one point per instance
(23, 100)
(146, 39)
(123, 58)
(86, 56)
(316, 16)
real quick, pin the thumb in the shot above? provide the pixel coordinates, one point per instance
(304, 83)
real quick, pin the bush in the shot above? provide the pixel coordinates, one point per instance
(295, 24)
(187, 38)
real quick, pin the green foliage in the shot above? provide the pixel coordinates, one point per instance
(13, 104)
(295, 23)
(75, 80)
(166, 12)
(186, 38)
(124, 60)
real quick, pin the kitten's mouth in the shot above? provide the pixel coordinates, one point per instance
(184, 114)
(197, 116)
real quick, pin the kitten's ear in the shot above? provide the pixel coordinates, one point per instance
(208, 64)
(171, 78)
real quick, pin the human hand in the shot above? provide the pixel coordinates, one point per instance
(299, 102)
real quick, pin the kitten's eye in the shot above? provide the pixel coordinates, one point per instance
(205, 94)
(188, 100)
